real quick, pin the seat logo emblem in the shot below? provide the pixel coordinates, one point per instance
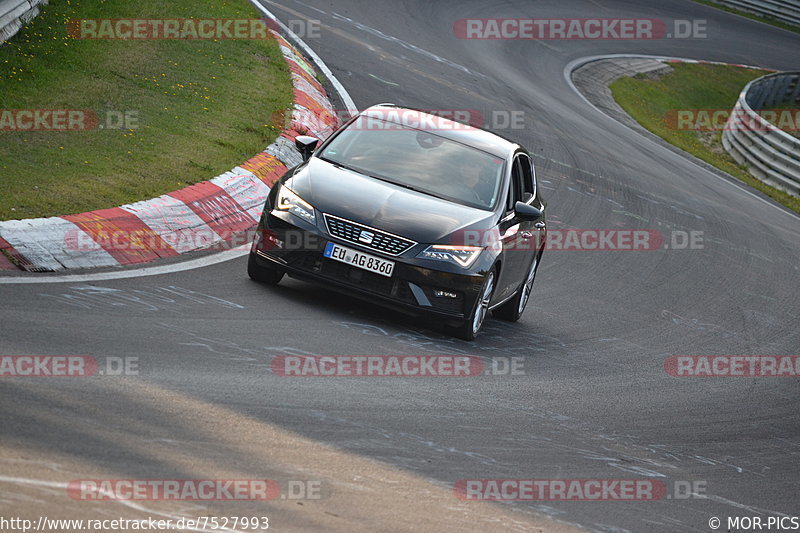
(366, 237)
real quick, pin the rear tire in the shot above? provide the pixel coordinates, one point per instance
(512, 310)
(262, 274)
(469, 328)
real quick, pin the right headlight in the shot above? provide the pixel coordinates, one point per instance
(288, 200)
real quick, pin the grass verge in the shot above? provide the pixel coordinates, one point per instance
(194, 108)
(654, 103)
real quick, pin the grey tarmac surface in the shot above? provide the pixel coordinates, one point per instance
(594, 400)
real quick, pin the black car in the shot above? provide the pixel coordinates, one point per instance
(410, 209)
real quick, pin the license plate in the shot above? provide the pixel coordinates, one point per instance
(359, 259)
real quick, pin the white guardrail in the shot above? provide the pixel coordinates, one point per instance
(784, 10)
(772, 155)
(16, 13)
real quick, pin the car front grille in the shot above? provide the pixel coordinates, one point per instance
(366, 236)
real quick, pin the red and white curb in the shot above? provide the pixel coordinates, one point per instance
(195, 217)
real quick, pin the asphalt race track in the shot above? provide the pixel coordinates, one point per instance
(593, 402)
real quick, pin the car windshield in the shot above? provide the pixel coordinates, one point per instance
(418, 160)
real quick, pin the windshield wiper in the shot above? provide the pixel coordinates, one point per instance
(338, 164)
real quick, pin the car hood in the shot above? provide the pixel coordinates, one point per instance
(372, 202)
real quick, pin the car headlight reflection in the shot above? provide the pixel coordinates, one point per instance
(462, 256)
(288, 200)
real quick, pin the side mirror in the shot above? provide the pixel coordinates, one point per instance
(306, 145)
(527, 211)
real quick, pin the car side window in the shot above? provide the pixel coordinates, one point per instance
(527, 177)
(516, 188)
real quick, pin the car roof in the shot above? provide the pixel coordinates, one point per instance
(444, 127)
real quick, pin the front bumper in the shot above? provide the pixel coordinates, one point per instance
(412, 287)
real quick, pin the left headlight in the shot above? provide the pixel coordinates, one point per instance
(288, 200)
(463, 256)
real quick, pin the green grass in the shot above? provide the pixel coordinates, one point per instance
(766, 20)
(693, 87)
(201, 107)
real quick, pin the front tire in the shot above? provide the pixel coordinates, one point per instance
(262, 274)
(512, 310)
(469, 329)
